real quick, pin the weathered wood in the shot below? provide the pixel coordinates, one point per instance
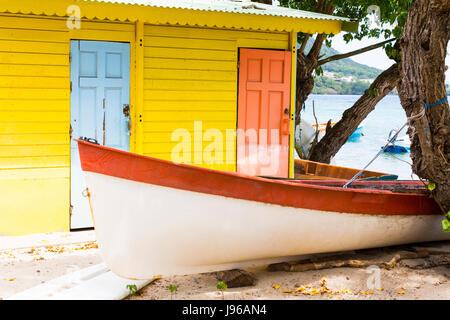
(386, 259)
(424, 46)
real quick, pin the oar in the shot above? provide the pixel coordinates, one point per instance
(380, 152)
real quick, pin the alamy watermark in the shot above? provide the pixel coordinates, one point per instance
(374, 280)
(254, 149)
(74, 20)
(374, 12)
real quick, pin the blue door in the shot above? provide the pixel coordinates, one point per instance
(100, 98)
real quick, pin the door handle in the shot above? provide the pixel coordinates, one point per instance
(285, 126)
(285, 123)
(126, 113)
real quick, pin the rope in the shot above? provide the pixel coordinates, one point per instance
(409, 120)
(434, 104)
(422, 113)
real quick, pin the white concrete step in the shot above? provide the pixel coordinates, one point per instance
(93, 283)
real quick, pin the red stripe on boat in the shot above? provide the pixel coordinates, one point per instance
(130, 166)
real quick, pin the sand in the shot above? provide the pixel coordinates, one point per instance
(411, 279)
(416, 279)
(24, 268)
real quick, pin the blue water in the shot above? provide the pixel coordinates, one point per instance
(388, 115)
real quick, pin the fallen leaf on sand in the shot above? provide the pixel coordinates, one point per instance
(346, 291)
(89, 245)
(276, 287)
(55, 249)
(367, 292)
(401, 292)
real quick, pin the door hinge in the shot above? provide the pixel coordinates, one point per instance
(70, 86)
(70, 57)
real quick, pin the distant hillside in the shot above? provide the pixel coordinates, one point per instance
(342, 76)
(348, 67)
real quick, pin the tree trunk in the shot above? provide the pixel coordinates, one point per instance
(424, 46)
(306, 64)
(338, 135)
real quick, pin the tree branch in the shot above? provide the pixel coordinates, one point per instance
(305, 41)
(338, 135)
(353, 53)
(315, 49)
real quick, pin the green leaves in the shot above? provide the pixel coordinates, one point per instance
(132, 288)
(392, 18)
(222, 286)
(374, 92)
(319, 71)
(173, 289)
(431, 186)
(392, 52)
(446, 225)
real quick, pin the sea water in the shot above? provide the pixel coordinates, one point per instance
(388, 115)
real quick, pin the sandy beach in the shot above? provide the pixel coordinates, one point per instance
(28, 261)
(409, 279)
(419, 271)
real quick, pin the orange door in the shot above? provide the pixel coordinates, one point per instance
(263, 113)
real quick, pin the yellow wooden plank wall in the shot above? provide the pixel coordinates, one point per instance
(35, 118)
(34, 125)
(191, 75)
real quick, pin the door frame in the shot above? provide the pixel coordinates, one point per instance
(132, 89)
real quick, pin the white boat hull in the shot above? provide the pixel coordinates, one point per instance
(146, 230)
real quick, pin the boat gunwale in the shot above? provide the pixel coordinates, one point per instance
(405, 197)
(303, 162)
(286, 181)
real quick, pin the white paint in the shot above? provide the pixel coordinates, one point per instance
(145, 230)
(93, 283)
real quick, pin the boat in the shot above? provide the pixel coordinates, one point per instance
(400, 145)
(393, 148)
(358, 133)
(305, 169)
(156, 218)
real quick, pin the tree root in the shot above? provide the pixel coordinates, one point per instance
(348, 261)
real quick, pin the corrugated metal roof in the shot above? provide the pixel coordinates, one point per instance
(228, 14)
(231, 6)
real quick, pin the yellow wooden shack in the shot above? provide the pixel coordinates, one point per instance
(136, 75)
